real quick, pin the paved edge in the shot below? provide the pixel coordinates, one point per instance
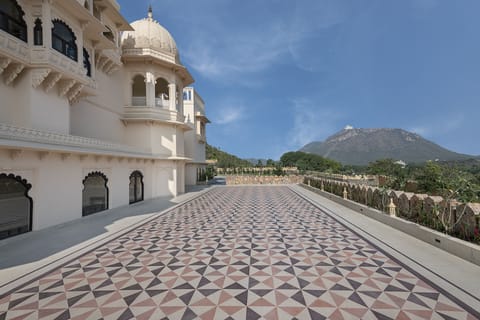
(454, 291)
(86, 247)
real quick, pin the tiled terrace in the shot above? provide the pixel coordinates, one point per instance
(263, 252)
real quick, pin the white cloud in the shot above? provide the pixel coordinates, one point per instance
(311, 122)
(221, 55)
(228, 115)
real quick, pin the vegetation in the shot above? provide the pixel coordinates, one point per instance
(309, 162)
(224, 159)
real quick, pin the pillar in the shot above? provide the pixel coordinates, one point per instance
(172, 91)
(150, 89)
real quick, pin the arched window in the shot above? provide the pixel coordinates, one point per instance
(95, 193)
(139, 91)
(63, 39)
(85, 5)
(86, 62)
(161, 92)
(136, 187)
(11, 19)
(15, 206)
(38, 33)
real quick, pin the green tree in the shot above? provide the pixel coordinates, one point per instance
(270, 163)
(396, 174)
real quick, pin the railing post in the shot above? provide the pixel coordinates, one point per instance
(392, 208)
(345, 193)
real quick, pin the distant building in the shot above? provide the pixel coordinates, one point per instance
(95, 113)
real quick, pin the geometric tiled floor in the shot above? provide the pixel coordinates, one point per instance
(235, 253)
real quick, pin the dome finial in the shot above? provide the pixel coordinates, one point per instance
(150, 12)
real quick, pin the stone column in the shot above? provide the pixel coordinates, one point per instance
(172, 91)
(180, 100)
(150, 89)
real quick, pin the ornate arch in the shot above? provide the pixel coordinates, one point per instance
(11, 19)
(136, 187)
(93, 202)
(64, 39)
(19, 228)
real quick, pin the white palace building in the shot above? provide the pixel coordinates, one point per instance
(95, 113)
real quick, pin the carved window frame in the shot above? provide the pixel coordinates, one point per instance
(16, 26)
(136, 174)
(107, 193)
(63, 35)
(27, 187)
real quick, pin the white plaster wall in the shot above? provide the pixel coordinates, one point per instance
(190, 174)
(163, 184)
(15, 107)
(99, 116)
(49, 112)
(180, 139)
(57, 183)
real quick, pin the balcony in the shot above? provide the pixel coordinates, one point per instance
(138, 112)
(142, 101)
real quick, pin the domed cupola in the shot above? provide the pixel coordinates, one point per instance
(149, 34)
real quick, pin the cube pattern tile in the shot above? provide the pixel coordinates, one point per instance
(235, 253)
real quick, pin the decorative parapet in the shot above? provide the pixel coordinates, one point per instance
(13, 47)
(150, 52)
(420, 208)
(51, 138)
(154, 114)
(254, 179)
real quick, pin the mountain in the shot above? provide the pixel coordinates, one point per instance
(353, 146)
(224, 159)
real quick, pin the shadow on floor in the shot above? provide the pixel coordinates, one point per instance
(37, 245)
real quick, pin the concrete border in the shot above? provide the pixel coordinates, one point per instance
(462, 249)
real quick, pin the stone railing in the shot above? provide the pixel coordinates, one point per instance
(254, 179)
(421, 208)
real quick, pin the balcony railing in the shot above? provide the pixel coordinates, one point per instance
(142, 101)
(139, 101)
(162, 103)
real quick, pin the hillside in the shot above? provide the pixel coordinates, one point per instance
(353, 146)
(224, 159)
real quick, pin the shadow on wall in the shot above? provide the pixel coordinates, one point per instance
(37, 245)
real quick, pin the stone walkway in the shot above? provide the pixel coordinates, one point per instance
(236, 253)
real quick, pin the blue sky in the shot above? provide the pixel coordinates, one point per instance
(277, 74)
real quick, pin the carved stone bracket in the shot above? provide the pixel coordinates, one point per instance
(12, 72)
(107, 66)
(74, 92)
(14, 153)
(65, 156)
(4, 62)
(39, 75)
(113, 69)
(42, 154)
(102, 61)
(51, 81)
(64, 86)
